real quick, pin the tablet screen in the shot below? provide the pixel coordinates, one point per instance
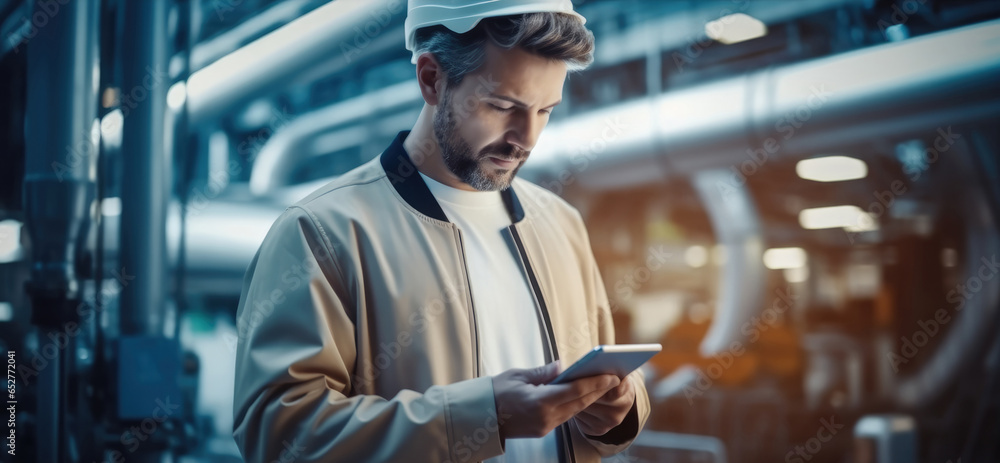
(619, 360)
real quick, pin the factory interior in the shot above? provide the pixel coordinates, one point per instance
(803, 208)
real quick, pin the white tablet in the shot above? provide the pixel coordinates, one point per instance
(617, 360)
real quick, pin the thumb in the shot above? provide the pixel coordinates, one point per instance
(544, 373)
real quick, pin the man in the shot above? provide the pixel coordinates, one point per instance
(416, 308)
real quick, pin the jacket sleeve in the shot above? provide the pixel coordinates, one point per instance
(621, 437)
(295, 362)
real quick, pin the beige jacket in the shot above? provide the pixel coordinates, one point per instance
(357, 332)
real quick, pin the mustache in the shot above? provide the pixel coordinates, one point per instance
(505, 151)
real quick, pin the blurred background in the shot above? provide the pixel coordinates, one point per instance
(798, 199)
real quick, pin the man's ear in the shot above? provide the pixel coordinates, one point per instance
(430, 78)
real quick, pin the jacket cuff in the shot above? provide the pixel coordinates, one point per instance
(473, 429)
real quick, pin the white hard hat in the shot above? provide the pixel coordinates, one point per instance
(462, 15)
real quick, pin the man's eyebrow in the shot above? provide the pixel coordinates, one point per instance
(519, 102)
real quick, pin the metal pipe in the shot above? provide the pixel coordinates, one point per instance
(889, 91)
(278, 158)
(145, 195)
(146, 185)
(209, 51)
(344, 26)
(973, 327)
(61, 139)
(737, 227)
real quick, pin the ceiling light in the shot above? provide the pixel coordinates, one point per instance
(696, 256)
(796, 275)
(111, 128)
(10, 241)
(851, 218)
(782, 258)
(111, 207)
(831, 169)
(735, 28)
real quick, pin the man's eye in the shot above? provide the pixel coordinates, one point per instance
(498, 108)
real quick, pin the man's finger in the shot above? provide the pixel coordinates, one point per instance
(618, 401)
(575, 406)
(617, 393)
(565, 393)
(542, 374)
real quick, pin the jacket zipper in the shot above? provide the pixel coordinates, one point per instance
(553, 349)
(472, 308)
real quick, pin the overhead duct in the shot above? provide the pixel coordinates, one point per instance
(223, 235)
(278, 158)
(885, 91)
(209, 51)
(889, 90)
(342, 27)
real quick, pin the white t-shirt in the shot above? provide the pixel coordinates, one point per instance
(510, 333)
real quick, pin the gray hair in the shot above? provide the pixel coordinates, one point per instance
(555, 36)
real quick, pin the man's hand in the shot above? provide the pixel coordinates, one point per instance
(608, 411)
(528, 407)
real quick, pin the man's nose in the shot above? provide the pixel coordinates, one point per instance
(524, 131)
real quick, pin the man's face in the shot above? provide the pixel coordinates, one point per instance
(487, 126)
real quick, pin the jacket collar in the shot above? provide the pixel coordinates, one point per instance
(403, 175)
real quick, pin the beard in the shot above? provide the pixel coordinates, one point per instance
(468, 166)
